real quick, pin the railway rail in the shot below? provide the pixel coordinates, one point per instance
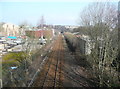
(51, 74)
(58, 70)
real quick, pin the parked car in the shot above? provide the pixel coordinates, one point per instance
(2, 39)
(11, 42)
(18, 41)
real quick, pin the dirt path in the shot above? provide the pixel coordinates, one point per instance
(61, 70)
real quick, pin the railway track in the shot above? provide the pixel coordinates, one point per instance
(51, 74)
(58, 71)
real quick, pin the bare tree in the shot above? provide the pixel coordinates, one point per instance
(101, 19)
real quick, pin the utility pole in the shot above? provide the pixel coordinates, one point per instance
(42, 22)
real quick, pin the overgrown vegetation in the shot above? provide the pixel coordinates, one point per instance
(71, 41)
(100, 24)
(26, 63)
(75, 46)
(21, 60)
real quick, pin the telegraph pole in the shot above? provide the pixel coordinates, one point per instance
(42, 21)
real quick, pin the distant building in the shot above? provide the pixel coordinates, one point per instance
(88, 45)
(10, 30)
(71, 27)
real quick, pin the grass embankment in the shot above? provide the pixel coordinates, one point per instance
(14, 57)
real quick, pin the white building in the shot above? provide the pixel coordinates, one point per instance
(88, 45)
(10, 30)
(71, 27)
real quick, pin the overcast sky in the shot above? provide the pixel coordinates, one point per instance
(55, 12)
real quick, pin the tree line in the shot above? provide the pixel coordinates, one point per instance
(99, 21)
